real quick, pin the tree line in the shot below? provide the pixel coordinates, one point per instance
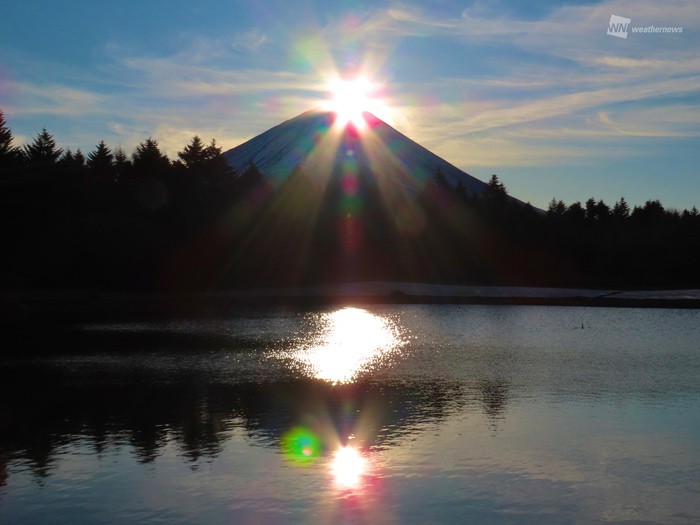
(142, 221)
(589, 244)
(43, 156)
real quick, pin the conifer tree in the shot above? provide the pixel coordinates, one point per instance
(575, 212)
(79, 158)
(100, 162)
(194, 154)
(67, 158)
(621, 209)
(653, 212)
(496, 186)
(556, 208)
(205, 160)
(602, 211)
(149, 161)
(216, 162)
(42, 152)
(495, 198)
(122, 165)
(591, 209)
(71, 163)
(10, 156)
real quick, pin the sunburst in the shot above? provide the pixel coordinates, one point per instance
(352, 98)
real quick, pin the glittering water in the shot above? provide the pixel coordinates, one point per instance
(396, 414)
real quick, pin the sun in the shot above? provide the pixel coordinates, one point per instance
(351, 98)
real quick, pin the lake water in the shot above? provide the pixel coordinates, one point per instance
(392, 414)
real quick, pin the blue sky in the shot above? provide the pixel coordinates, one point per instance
(540, 95)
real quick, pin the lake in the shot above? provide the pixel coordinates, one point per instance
(385, 414)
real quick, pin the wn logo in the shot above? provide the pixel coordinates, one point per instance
(618, 26)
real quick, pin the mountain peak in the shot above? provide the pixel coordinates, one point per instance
(316, 141)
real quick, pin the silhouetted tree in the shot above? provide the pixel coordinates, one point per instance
(651, 212)
(575, 212)
(602, 211)
(194, 154)
(495, 186)
(100, 163)
(79, 158)
(149, 161)
(202, 160)
(556, 208)
(10, 156)
(42, 152)
(216, 163)
(122, 165)
(72, 163)
(497, 203)
(591, 209)
(621, 210)
(691, 213)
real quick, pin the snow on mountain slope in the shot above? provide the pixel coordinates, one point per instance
(312, 140)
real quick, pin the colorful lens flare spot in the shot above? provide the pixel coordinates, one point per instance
(301, 445)
(350, 184)
(348, 467)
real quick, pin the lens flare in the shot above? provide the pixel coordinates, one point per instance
(348, 467)
(351, 98)
(301, 445)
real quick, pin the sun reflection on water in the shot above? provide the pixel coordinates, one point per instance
(348, 467)
(352, 340)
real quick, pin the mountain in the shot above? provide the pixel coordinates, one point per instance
(332, 202)
(315, 141)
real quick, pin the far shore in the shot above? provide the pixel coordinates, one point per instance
(74, 306)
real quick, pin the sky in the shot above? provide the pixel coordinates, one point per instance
(536, 92)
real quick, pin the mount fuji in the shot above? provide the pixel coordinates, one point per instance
(316, 141)
(320, 200)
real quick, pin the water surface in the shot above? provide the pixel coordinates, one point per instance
(396, 414)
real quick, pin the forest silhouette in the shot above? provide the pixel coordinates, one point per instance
(108, 220)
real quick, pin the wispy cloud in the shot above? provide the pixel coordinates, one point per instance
(56, 99)
(577, 84)
(559, 105)
(249, 41)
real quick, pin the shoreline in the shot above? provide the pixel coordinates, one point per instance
(72, 306)
(44, 323)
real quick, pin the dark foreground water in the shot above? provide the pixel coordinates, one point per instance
(398, 414)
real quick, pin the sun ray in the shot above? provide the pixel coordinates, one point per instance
(352, 98)
(398, 193)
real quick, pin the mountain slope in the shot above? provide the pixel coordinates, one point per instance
(313, 140)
